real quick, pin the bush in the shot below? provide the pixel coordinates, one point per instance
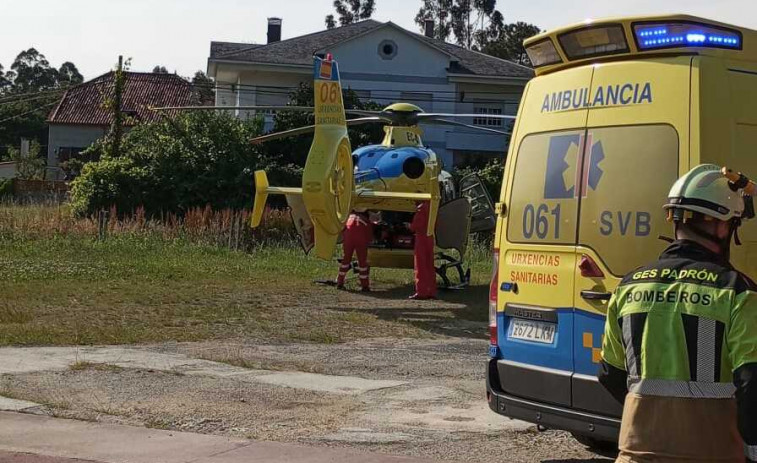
(197, 159)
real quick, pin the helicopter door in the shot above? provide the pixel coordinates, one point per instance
(302, 222)
(482, 209)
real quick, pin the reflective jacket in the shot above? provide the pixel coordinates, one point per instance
(680, 341)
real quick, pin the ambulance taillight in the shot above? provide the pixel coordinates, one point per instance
(493, 290)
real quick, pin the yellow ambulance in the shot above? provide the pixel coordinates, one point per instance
(618, 109)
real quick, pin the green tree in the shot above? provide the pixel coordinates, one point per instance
(351, 11)
(159, 70)
(470, 17)
(69, 75)
(28, 92)
(204, 89)
(5, 83)
(507, 42)
(32, 72)
(439, 12)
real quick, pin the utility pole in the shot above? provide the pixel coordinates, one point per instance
(117, 129)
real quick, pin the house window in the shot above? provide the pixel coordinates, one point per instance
(65, 153)
(487, 121)
(387, 49)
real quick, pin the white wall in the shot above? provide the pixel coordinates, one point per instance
(412, 57)
(7, 170)
(266, 88)
(69, 136)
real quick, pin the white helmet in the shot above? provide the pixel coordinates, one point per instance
(707, 191)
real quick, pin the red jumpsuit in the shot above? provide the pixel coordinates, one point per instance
(425, 274)
(357, 235)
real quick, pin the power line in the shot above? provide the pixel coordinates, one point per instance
(39, 92)
(25, 100)
(28, 112)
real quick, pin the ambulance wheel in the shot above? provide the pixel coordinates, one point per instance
(602, 447)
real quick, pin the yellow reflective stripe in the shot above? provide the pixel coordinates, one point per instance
(683, 389)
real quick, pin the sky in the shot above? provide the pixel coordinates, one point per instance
(177, 33)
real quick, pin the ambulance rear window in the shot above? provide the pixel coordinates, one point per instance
(543, 207)
(628, 172)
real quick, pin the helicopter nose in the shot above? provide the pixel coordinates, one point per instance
(413, 167)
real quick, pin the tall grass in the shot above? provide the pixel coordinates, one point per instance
(227, 228)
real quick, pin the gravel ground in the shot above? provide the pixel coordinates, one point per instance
(440, 413)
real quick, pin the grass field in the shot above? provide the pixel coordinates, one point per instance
(143, 284)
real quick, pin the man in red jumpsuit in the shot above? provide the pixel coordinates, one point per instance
(423, 255)
(357, 235)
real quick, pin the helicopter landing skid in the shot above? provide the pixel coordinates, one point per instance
(452, 263)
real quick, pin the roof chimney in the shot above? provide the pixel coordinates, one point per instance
(274, 30)
(429, 28)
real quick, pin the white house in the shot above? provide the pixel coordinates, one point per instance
(384, 63)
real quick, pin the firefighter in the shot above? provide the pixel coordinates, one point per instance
(357, 235)
(681, 336)
(423, 254)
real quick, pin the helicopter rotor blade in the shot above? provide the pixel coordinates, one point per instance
(283, 134)
(231, 108)
(304, 109)
(422, 116)
(460, 124)
(365, 120)
(308, 129)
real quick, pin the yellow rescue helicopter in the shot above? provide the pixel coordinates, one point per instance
(390, 178)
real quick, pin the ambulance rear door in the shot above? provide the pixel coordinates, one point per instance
(538, 239)
(637, 129)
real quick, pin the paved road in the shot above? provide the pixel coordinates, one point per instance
(15, 457)
(42, 439)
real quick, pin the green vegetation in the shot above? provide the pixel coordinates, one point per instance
(153, 282)
(29, 88)
(197, 159)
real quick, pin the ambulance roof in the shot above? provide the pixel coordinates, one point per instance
(727, 41)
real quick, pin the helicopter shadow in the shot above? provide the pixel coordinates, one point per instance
(457, 313)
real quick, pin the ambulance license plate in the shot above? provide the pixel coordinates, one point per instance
(530, 330)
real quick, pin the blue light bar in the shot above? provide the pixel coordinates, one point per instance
(651, 36)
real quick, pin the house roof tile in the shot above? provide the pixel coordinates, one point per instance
(300, 50)
(85, 103)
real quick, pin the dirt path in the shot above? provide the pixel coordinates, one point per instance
(416, 397)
